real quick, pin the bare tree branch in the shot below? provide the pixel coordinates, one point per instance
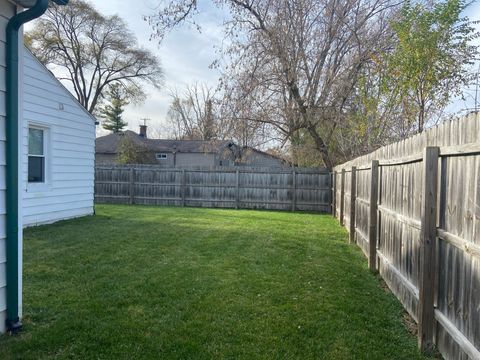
(96, 51)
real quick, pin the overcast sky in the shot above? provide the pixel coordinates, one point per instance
(186, 54)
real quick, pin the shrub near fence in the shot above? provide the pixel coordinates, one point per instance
(241, 188)
(413, 207)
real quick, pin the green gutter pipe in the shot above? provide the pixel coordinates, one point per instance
(12, 103)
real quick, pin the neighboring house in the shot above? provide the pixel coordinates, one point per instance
(256, 158)
(55, 162)
(183, 153)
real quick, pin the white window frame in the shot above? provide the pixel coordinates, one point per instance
(45, 185)
(161, 156)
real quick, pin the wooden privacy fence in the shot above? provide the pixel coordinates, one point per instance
(240, 188)
(413, 207)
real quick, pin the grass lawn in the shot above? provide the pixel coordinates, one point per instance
(180, 283)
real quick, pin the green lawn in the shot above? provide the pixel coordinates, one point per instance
(180, 283)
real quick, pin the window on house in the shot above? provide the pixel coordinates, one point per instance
(161, 156)
(36, 155)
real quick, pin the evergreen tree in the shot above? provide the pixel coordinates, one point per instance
(112, 112)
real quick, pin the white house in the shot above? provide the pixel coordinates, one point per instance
(52, 177)
(58, 149)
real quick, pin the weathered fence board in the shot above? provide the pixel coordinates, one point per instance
(241, 188)
(442, 273)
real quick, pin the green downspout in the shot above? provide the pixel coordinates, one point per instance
(12, 123)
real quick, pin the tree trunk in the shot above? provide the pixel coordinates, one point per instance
(421, 116)
(421, 120)
(322, 148)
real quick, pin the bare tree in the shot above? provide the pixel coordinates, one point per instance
(95, 51)
(200, 112)
(241, 117)
(193, 114)
(297, 61)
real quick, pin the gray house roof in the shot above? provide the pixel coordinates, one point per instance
(109, 144)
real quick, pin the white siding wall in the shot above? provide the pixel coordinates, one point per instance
(6, 11)
(70, 156)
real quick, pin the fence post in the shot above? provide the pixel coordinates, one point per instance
(353, 196)
(237, 190)
(372, 218)
(428, 231)
(131, 189)
(342, 196)
(334, 193)
(184, 187)
(294, 190)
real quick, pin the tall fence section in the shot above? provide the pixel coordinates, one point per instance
(413, 207)
(241, 188)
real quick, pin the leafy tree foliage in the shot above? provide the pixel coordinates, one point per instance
(431, 62)
(130, 152)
